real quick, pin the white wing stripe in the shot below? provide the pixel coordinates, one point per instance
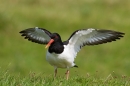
(91, 36)
(38, 35)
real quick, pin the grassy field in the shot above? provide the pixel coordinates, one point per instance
(20, 57)
(33, 79)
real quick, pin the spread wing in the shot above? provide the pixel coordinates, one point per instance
(91, 36)
(37, 35)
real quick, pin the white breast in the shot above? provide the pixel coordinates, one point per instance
(63, 60)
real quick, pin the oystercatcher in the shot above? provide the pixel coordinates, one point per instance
(61, 54)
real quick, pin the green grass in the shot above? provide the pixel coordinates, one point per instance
(20, 56)
(33, 79)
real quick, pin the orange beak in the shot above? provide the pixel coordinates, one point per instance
(49, 43)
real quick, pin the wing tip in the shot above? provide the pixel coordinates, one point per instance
(31, 34)
(23, 31)
(114, 36)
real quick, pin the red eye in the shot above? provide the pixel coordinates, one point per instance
(56, 36)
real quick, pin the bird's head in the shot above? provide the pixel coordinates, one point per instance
(54, 38)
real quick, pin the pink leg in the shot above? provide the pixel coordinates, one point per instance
(55, 72)
(67, 74)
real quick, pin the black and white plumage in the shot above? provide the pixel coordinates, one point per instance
(62, 54)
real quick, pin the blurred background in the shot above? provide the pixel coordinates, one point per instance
(20, 56)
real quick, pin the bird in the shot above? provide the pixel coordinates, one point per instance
(61, 54)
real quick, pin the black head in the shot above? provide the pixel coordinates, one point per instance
(55, 37)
